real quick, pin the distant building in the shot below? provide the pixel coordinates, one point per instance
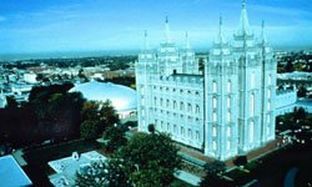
(229, 110)
(122, 97)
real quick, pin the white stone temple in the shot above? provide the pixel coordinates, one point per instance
(227, 110)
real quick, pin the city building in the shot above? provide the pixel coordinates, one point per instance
(226, 111)
(65, 169)
(122, 97)
(11, 174)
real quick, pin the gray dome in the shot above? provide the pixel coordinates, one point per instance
(122, 97)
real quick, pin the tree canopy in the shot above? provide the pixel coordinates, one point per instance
(146, 160)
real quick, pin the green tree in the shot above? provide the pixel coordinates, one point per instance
(95, 175)
(115, 137)
(89, 129)
(101, 115)
(302, 91)
(151, 159)
(214, 171)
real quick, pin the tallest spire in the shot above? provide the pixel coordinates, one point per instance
(167, 30)
(244, 23)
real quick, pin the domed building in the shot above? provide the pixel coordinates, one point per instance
(122, 97)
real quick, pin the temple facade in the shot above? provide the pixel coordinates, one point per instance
(226, 110)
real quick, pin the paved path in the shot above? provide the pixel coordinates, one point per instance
(188, 177)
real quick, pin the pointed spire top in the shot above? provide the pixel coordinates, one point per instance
(263, 35)
(243, 4)
(146, 44)
(167, 31)
(244, 23)
(220, 38)
(187, 41)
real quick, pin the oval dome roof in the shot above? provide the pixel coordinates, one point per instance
(122, 97)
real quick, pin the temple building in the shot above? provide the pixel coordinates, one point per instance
(227, 110)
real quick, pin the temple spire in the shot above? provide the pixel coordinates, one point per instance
(244, 23)
(220, 34)
(263, 35)
(146, 44)
(167, 30)
(187, 41)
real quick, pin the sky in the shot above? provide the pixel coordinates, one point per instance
(30, 26)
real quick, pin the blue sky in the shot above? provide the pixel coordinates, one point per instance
(84, 25)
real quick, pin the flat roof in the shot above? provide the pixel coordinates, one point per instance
(11, 174)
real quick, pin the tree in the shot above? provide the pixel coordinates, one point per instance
(213, 174)
(89, 129)
(302, 91)
(95, 175)
(147, 160)
(11, 102)
(100, 115)
(115, 138)
(289, 67)
(151, 159)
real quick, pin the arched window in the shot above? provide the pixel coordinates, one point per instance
(214, 116)
(161, 101)
(197, 109)
(174, 104)
(182, 131)
(190, 135)
(181, 105)
(214, 103)
(269, 105)
(167, 103)
(228, 102)
(229, 86)
(214, 131)
(189, 107)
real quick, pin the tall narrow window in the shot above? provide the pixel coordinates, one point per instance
(214, 87)
(182, 131)
(174, 104)
(228, 145)
(161, 101)
(252, 104)
(175, 129)
(214, 103)
(228, 102)
(197, 135)
(229, 86)
(168, 103)
(168, 126)
(181, 106)
(197, 109)
(190, 133)
(269, 105)
(189, 107)
(214, 116)
(251, 131)
(214, 131)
